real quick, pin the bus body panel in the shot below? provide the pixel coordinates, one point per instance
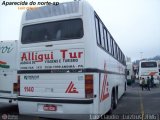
(44, 58)
(8, 70)
(115, 78)
(64, 85)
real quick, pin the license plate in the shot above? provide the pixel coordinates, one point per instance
(48, 107)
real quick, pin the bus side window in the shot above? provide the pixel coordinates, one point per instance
(118, 53)
(109, 42)
(101, 35)
(116, 50)
(106, 39)
(112, 45)
(120, 56)
(97, 30)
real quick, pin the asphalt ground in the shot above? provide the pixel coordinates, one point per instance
(135, 104)
(138, 104)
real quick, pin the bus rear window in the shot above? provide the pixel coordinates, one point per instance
(53, 31)
(148, 64)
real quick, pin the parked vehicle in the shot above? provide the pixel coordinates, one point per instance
(149, 68)
(8, 71)
(69, 63)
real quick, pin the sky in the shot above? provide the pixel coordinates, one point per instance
(134, 24)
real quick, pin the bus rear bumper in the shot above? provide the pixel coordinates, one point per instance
(11, 100)
(64, 109)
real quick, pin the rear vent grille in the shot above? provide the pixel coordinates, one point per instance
(53, 10)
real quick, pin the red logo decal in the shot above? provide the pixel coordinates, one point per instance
(152, 73)
(105, 92)
(2, 62)
(71, 88)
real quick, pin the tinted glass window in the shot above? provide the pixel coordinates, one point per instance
(121, 56)
(53, 31)
(106, 39)
(118, 52)
(112, 46)
(101, 33)
(97, 30)
(115, 51)
(109, 42)
(148, 64)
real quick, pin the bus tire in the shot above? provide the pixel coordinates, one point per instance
(112, 104)
(114, 101)
(117, 95)
(125, 86)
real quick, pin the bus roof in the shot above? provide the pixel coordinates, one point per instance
(148, 61)
(52, 11)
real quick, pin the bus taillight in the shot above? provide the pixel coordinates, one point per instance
(89, 86)
(16, 86)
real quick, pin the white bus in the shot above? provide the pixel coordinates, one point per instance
(148, 68)
(69, 63)
(8, 71)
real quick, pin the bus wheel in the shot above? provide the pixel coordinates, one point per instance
(115, 99)
(113, 102)
(125, 86)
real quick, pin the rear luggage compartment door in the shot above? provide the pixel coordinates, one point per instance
(68, 85)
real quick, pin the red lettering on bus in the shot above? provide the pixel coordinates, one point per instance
(29, 89)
